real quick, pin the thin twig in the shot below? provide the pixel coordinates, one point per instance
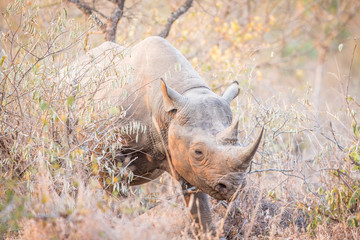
(271, 169)
(347, 85)
(334, 140)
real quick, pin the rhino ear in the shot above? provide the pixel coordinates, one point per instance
(171, 98)
(231, 92)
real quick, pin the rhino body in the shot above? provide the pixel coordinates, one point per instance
(190, 130)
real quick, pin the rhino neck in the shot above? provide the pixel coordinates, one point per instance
(197, 90)
(196, 87)
(184, 83)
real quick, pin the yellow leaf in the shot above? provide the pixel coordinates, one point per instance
(234, 26)
(63, 117)
(2, 60)
(80, 151)
(299, 73)
(84, 211)
(272, 20)
(247, 36)
(44, 199)
(95, 168)
(108, 180)
(259, 74)
(44, 120)
(215, 53)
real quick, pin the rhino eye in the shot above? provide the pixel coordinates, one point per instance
(198, 152)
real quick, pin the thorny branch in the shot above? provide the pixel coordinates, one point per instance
(174, 16)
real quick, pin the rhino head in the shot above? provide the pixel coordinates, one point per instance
(203, 141)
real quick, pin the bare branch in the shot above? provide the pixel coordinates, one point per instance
(337, 143)
(89, 12)
(112, 23)
(174, 16)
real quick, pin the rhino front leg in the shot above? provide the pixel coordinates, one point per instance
(198, 203)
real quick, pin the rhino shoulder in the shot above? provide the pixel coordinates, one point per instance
(154, 40)
(155, 45)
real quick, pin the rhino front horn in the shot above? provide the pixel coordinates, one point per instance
(246, 154)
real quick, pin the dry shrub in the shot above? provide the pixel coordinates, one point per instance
(94, 214)
(253, 215)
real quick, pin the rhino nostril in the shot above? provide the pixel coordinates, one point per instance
(221, 188)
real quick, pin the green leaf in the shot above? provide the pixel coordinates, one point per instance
(44, 106)
(114, 111)
(352, 222)
(355, 128)
(354, 199)
(70, 101)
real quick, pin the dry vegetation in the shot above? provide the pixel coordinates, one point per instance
(297, 63)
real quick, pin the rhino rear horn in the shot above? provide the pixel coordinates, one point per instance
(230, 134)
(172, 99)
(231, 92)
(246, 154)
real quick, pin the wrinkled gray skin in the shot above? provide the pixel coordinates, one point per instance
(190, 130)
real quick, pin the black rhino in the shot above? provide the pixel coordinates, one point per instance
(190, 130)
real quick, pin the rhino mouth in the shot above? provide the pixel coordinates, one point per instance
(217, 195)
